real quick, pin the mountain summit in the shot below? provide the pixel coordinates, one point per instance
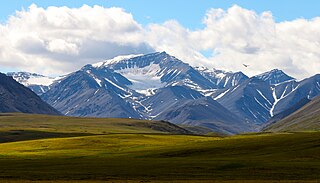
(156, 70)
(275, 76)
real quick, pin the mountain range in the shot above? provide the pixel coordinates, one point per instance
(161, 87)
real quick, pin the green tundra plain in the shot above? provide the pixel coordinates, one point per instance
(64, 149)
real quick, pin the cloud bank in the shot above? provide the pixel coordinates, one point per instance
(61, 39)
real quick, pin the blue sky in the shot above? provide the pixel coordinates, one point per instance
(188, 12)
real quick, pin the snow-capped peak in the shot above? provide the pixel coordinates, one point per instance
(115, 60)
(145, 72)
(274, 76)
(213, 72)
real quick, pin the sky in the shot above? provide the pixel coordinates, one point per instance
(188, 13)
(57, 37)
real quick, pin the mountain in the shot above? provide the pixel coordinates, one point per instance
(143, 87)
(274, 76)
(15, 97)
(222, 79)
(36, 82)
(306, 118)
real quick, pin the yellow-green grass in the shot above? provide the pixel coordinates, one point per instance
(93, 149)
(163, 157)
(63, 124)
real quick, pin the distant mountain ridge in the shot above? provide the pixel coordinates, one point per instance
(36, 82)
(162, 87)
(257, 100)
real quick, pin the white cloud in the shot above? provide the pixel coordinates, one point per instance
(239, 36)
(62, 39)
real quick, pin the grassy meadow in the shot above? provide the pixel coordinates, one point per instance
(140, 152)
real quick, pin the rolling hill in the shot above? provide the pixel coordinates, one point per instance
(24, 124)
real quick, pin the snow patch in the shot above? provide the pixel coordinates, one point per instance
(98, 81)
(144, 80)
(114, 84)
(44, 81)
(263, 96)
(221, 95)
(277, 100)
(115, 60)
(29, 79)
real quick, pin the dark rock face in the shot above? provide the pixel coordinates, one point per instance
(15, 97)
